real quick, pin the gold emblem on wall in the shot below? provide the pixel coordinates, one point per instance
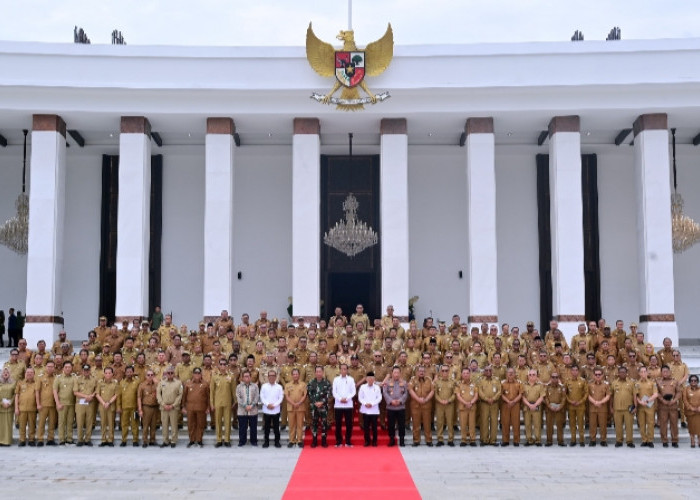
(349, 66)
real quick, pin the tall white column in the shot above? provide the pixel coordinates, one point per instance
(651, 172)
(306, 218)
(46, 222)
(133, 218)
(393, 198)
(481, 217)
(566, 215)
(218, 217)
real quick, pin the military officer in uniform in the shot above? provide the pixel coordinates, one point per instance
(395, 392)
(319, 392)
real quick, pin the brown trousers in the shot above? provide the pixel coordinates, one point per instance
(467, 422)
(128, 420)
(645, 415)
(598, 420)
(50, 415)
(488, 425)
(422, 414)
(27, 418)
(558, 418)
(196, 422)
(148, 423)
(510, 420)
(668, 414)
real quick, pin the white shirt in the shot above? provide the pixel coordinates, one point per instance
(371, 394)
(271, 394)
(343, 388)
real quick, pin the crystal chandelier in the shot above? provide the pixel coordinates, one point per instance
(350, 236)
(14, 233)
(685, 231)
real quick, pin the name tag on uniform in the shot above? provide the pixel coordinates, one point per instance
(82, 401)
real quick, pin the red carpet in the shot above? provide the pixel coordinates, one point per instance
(340, 473)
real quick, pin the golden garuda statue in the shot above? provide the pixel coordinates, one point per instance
(349, 65)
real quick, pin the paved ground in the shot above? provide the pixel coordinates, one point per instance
(250, 473)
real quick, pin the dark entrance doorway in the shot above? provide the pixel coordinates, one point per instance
(348, 281)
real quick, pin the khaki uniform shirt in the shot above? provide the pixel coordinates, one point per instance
(128, 393)
(44, 388)
(295, 392)
(623, 394)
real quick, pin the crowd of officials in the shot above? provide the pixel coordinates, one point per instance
(444, 379)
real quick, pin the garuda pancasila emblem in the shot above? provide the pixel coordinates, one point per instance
(349, 65)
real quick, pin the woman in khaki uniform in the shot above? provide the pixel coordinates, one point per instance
(7, 407)
(691, 400)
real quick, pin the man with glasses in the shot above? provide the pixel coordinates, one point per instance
(421, 391)
(221, 401)
(344, 391)
(555, 402)
(576, 396)
(248, 396)
(195, 404)
(169, 398)
(444, 406)
(84, 388)
(598, 396)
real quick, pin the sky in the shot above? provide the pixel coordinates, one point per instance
(284, 22)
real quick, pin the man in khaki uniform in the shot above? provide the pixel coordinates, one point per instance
(467, 396)
(195, 404)
(647, 393)
(84, 388)
(669, 394)
(46, 405)
(598, 397)
(533, 396)
(444, 406)
(511, 394)
(576, 396)
(169, 396)
(297, 403)
(421, 391)
(25, 407)
(624, 406)
(107, 393)
(222, 394)
(555, 402)
(148, 404)
(489, 397)
(65, 403)
(127, 402)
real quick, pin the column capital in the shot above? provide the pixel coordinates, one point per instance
(221, 125)
(49, 123)
(479, 125)
(652, 121)
(309, 126)
(393, 126)
(570, 123)
(135, 125)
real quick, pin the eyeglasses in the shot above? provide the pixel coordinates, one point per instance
(149, 374)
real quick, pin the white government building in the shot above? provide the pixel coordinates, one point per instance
(204, 178)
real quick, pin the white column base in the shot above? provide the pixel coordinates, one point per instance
(656, 331)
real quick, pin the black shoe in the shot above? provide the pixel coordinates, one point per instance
(592, 443)
(40, 444)
(366, 445)
(416, 445)
(144, 445)
(650, 445)
(401, 442)
(439, 443)
(684, 425)
(31, 443)
(110, 444)
(548, 444)
(218, 444)
(374, 444)
(451, 444)
(314, 441)
(539, 445)
(429, 444)
(630, 445)
(508, 444)
(338, 445)
(462, 445)
(164, 445)
(122, 444)
(278, 444)
(227, 444)
(324, 442)
(665, 445)
(22, 444)
(526, 444)
(80, 444)
(572, 443)
(618, 445)
(604, 444)
(473, 444)
(266, 444)
(135, 444)
(582, 444)
(173, 445)
(290, 445)
(88, 443)
(190, 444)
(392, 442)
(516, 444)
(482, 443)
(153, 444)
(241, 445)
(561, 444)
(51, 443)
(674, 445)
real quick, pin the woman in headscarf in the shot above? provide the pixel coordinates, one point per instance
(7, 407)
(691, 399)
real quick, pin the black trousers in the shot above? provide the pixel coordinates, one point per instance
(397, 418)
(341, 413)
(245, 421)
(370, 422)
(274, 422)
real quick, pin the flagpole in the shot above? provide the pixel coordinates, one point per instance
(349, 15)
